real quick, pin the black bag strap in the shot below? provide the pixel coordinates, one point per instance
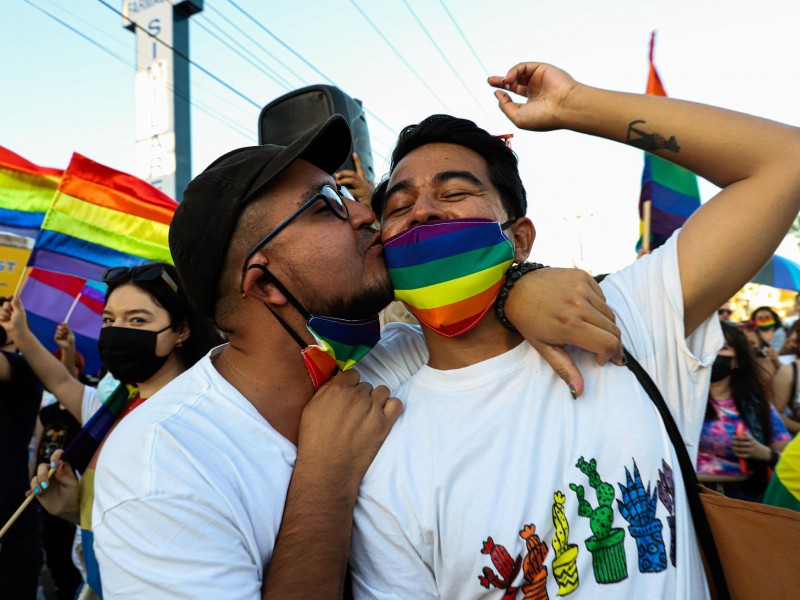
(793, 391)
(701, 526)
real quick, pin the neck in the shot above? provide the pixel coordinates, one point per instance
(487, 340)
(721, 390)
(268, 370)
(171, 369)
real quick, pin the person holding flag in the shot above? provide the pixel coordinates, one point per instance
(150, 336)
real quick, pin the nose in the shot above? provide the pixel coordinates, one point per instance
(426, 208)
(361, 215)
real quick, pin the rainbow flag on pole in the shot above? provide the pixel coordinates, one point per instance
(26, 190)
(671, 190)
(50, 298)
(102, 218)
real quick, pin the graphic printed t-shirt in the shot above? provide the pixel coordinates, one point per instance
(495, 483)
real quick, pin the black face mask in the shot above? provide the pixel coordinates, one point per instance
(722, 367)
(130, 354)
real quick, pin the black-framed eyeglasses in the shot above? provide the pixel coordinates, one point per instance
(140, 273)
(334, 201)
(724, 311)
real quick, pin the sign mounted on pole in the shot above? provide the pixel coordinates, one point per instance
(163, 123)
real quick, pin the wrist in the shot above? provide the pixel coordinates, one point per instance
(774, 455)
(513, 275)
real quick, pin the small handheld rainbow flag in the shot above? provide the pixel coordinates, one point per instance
(83, 447)
(671, 190)
(26, 191)
(102, 218)
(52, 298)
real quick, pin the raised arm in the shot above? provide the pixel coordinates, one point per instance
(754, 160)
(53, 375)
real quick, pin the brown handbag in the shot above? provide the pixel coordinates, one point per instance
(751, 551)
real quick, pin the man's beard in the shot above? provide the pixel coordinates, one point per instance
(367, 302)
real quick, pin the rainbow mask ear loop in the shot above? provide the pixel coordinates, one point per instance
(341, 343)
(449, 273)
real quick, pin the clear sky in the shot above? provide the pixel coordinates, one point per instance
(62, 93)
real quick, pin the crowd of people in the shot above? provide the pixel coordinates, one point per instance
(266, 437)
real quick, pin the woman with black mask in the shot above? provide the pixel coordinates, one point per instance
(150, 336)
(742, 433)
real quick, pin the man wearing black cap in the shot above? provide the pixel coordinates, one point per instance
(191, 488)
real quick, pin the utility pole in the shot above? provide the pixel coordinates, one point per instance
(163, 120)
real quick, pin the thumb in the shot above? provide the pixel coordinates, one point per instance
(507, 105)
(562, 364)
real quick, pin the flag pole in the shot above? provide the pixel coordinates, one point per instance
(646, 210)
(71, 308)
(22, 507)
(21, 281)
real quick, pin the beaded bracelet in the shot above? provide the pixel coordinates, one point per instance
(512, 275)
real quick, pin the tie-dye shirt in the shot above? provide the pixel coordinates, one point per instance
(716, 456)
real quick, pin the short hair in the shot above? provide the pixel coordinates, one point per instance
(501, 162)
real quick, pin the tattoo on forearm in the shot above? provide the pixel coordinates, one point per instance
(650, 141)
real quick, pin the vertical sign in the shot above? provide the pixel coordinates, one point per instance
(163, 126)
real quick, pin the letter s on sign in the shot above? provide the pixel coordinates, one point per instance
(154, 26)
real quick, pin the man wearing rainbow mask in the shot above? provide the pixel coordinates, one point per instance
(494, 482)
(193, 488)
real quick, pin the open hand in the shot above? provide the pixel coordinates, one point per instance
(746, 446)
(546, 89)
(553, 308)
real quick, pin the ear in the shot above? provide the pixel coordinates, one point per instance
(184, 332)
(522, 234)
(257, 284)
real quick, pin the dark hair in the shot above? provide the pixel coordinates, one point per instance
(203, 335)
(747, 384)
(775, 316)
(443, 129)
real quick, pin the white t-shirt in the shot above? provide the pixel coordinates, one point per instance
(470, 495)
(190, 487)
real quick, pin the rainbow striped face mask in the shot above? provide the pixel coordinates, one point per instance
(449, 273)
(341, 343)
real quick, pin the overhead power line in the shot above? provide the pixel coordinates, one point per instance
(445, 59)
(464, 37)
(186, 58)
(233, 125)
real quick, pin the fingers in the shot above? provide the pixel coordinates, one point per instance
(359, 168)
(561, 363)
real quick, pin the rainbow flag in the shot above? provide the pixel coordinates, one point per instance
(441, 282)
(784, 485)
(26, 191)
(102, 218)
(671, 190)
(49, 297)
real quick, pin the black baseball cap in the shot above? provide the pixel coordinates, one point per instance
(204, 221)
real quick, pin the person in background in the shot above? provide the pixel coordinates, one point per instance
(356, 182)
(768, 327)
(56, 428)
(740, 424)
(785, 384)
(766, 356)
(150, 336)
(20, 548)
(725, 312)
